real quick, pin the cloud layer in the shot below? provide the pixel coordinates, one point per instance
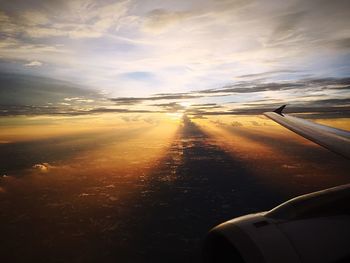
(29, 95)
(138, 48)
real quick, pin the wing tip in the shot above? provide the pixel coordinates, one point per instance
(280, 109)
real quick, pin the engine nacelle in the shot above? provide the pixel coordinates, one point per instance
(310, 228)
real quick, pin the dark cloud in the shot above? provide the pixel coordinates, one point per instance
(170, 107)
(130, 118)
(236, 124)
(69, 111)
(127, 100)
(256, 88)
(255, 123)
(316, 112)
(137, 100)
(342, 43)
(219, 123)
(316, 103)
(322, 111)
(18, 89)
(206, 106)
(327, 81)
(331, 102)
(342, 88)
(111, 110)
(198, 116)
(266, 74)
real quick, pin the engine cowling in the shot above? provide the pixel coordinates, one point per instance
(310, 228)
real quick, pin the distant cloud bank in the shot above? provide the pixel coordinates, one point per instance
(28, 95)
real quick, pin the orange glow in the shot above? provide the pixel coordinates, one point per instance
(176, 116)
(22, 128)
(341, 123)
(89, 161)
(268, 149)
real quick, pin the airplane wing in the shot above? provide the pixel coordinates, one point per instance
(306, 229)
(333, 139)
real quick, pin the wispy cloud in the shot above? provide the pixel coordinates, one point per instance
(34, 63)
(137, 100)
(132, 48)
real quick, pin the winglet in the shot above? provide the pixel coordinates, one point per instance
(279, 110)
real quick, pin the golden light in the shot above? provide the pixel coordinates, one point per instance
(185, 104)
(175, 116)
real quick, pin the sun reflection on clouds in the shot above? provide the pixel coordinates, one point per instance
(89, 145)
(186, 104)
(266, 147)
(88, 169)
(177, 116)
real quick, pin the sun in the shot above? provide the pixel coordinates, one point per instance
(185, 104)
(175, 116)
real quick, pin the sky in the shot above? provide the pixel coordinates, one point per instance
(217, 53)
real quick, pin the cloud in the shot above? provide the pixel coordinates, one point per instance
(78, 19)
(342, 43)
(34, 63)
(158, 20)
(28, 95)
(309, 112)
(171, 106)
(218, 122)
(236, 124)
(34, 17)
(309, 88)
(138, 100)
(266, 74)
(255, 123)
(42, 167)
(340, 102)
(25, 90)
(205, 106)
(64, 110)
(287, 28)
(110, 110)
(255, 88)
(130, 118)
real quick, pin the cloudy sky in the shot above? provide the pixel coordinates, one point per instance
(221, 51)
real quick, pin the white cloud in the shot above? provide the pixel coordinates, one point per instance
(34, 63)
(42, 167)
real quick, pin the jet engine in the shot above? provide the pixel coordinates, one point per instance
(307, 229)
